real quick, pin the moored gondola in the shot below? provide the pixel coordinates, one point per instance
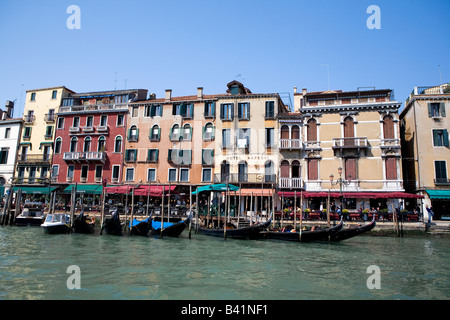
(113, 225)
(169, 229)
(304, 236)
(83, 224)
(248, 232)
(140, 228)
(348, 233)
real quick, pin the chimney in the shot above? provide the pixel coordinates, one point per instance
(168, 94)
(295, 90)
(9, 109)
(304, 91)
(200, 93)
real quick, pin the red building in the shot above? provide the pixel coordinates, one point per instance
(90, 139)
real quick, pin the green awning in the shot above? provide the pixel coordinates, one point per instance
(216, 187)
(35, 190)
(86, 188)
(439, 194)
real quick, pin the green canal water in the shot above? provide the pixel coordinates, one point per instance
(34, 265)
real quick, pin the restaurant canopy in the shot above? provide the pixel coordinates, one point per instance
(256, 192)
(35, 190)
(216, 187)
(85, 188)
(350, 195)
(439, 194)
(142, 190)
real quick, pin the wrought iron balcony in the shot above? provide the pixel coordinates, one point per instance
(350, 143)
(442, 182)
(50, 117)
(85, 156)
(28, 119)
(251, 178)
(33, 158)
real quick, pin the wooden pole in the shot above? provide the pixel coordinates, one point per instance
(197, 211)
(328, 209)
(225, 214)
(162, 210)
(273, 206)
(251, 208)
(103, 207)
(239, 205)
(301, 214)
(126, 207)
(148, 195)
(295, 210)
(132, 208)
(190, 210)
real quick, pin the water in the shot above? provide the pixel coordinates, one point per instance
(34, 266)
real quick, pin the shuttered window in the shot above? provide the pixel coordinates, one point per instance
(350, 169)
(312, 130)
(391, 168)
(388, 128)
(313, 169)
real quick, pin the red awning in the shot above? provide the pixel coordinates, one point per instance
(155, 191)
(254, 192)
(119, 189)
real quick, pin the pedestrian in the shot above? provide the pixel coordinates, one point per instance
(430, 213)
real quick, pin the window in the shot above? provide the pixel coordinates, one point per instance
(7, 132)
(206, 175)
(224, 171)
(84, 172)
(172, 176)
(115, 173)
(242, 171)
(76, 122)
(118, 144)
(49, 132)
(184, 110)
(180, 157)
(44, 172)
(313, 169)
(33, 96)
(152, 155)
(133, 134)
(226, 138)
(349, 131)
(70, 171)
(55, 171)
(227, 111)
(4, 155)
(351, 169)
(391, 168)
(103, 121)
(388, 127)
(284, 169)
(187, 132)
(60, 124)
(135, 112)
(210, 109)
(54, 94)
(89, 121)
(208, 157)
(98, 172)
(131, 155)
(312, 130)
(73, 144)
(87, 144)
(68, 102)
(270, 109)
(101, 147)
(441, 171)
(129, 174)
(120, 120)
(58, 143)
(123, 98)
(155, 133)
(209, 132)
(436, 110)
(270, 138)
(184, 175)
(244, 111)
(243, 138)
(175, 133)
(27, 133)
(151, 174)
(153, 110)
(440, 138)
(269, 175)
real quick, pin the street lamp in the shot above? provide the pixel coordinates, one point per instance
(341, 182)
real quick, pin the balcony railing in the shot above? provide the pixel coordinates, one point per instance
(29, 119)
(311, 145)
(33, 158)
(22, 180)
(291, 144)
(97, 107)
(443, 89)
(85, 156)
(88, 129)
(74, 129)
(102, 128)
(442, 182)
(254, 178)
(290, 183)
(390, 143)
(341, 143)
(50, 117)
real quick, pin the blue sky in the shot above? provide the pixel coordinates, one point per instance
(270, 46)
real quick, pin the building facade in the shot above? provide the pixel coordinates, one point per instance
(425, 147)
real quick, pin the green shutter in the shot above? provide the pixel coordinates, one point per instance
(435, 138)
(159, 133)
(430, 112)
(213, 109)
(213, 133)
(445, 136)
(156, 155)
(442, 109)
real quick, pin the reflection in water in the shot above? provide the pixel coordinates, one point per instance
(33, 266)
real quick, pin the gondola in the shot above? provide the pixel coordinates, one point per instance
(170, 229)
(140, 228)
(248, 232)
(113, 225)
(304, 236)
(83, 224)
(56, 223)
(348, 233)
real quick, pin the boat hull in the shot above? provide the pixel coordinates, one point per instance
(251, 232)
(141, 228)
(174, 230)
(28, 222)
(348, 233)
(57, 228)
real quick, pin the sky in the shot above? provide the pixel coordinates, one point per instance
(269, 46)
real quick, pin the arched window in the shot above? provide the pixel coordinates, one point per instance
(284, 132)
(187, 132)
(73, 144)
(312, 130)
(295, 169)
(101, 144)
(224, 171)
(295, 132)
(58, 143)
(87, 144)
(349, 131)
(175, 133)
(269, 174)
(284, 172)
(208, 132)
(242, 171)
(388, 127)
(133, 133)
(118, 144)
(155, 133)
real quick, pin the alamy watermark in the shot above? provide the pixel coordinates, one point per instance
(374, 21)
(74, 20)
(74, 280)
(374, 280)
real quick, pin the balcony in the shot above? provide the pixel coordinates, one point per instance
(50, 117)
(74, 129)
(88, 129)
(390, 144)
(33, 159)
(102, 128)
(350, 143)
(290, 183)
(250, 178)
(98, 107)
(290, 144)
(90, 156)
(28, 119)
(31, 180)
(442, 182)
(311, 145)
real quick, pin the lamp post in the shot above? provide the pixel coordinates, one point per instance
(341, 183)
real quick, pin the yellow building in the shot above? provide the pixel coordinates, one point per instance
(425, 147)
(36, 142)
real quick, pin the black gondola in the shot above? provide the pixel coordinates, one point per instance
(170, 229)
(249, 232)
(348, 233)
(304, 236)
(83, 224)
(140, 228)
(113, 225)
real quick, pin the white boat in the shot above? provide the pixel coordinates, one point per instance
(32, 214)
(57, 223)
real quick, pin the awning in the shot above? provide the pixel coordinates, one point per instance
(35, 190)
(439, 194)
(155, 191)
(255, 192)
(352, 195)
(216, 187)
(119, 189)
(86, 188)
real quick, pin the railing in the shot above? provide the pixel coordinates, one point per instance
(32, 180)
(34, 158)
(50, 117)
(443, 89)
(390, 143)
(442, 182)
(287, 183)
(88, 129)
(74, 129)
(311, 145)
(29, 119)
(86, 156)
(102, 128)
(93, 107)
(350, 143)
(290, 144)
(244, 178)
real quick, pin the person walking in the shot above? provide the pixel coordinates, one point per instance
(430, 213)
